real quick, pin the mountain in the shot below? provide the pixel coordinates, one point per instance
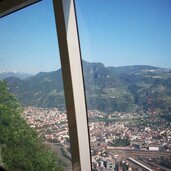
(43, 89)
(151, 86)
(20, 75)
(105, 91)
(126, 89)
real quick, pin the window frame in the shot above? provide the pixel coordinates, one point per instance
(72, 71)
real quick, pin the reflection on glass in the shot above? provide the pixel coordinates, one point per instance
(33, 128)
(127, 72)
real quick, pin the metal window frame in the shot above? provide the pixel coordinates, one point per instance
(70, 54)
(9, 6)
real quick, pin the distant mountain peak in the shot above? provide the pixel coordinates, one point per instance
(17, 74)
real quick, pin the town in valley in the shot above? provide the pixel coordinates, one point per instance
(119, 141)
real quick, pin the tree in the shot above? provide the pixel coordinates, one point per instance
(121, 142)
(21, 149)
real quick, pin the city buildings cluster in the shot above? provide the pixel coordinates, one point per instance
(114, 137)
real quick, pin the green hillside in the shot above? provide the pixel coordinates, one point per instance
(105, 91)
(151, 86)
(20, 149)
(125, 89)
(43, 89)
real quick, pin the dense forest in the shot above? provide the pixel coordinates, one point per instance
(20, 147)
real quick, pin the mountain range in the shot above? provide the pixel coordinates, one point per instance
(138, 88)
(20, 75)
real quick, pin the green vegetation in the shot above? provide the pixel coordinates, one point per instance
(121, 142)
(108, 89)
(20, 149)
(166, 117)
(165, 162)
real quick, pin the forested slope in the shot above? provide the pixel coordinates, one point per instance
(20, 149)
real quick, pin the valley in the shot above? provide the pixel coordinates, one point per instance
(129, 112)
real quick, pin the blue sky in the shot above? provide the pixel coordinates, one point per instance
(114, 32)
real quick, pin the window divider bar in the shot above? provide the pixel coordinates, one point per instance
(71, 64)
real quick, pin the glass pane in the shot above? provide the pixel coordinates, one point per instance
(33, 121)
(127, 70)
